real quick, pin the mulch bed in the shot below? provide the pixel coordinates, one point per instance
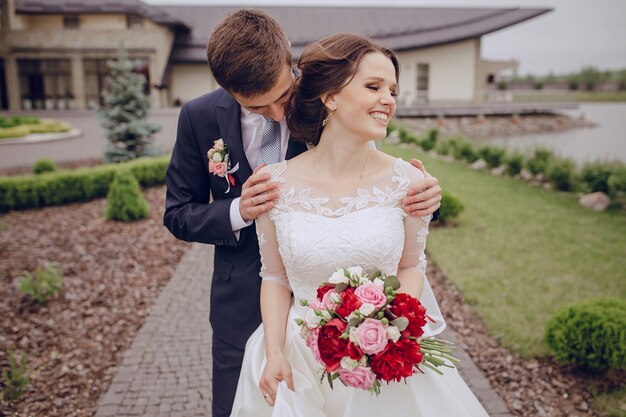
(535, 387)
(113, 273)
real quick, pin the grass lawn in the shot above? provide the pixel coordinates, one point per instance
(519, 252)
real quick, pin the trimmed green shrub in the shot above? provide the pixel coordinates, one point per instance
(450, 208)
(514, 163)
(464, 151)
(42, 166)
(492, 156)
(562, 172)
(596, 176)
(50, 126)
(391, 127)
(538, 163)
(406, 136)
(590, 334)
(430, 140)
(125, 202)
(15, 378)
(617, 180)
(14, 132)
(83, 184)
(25, 120)
(45, 283)
(444, 147)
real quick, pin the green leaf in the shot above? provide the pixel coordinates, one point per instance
(341, 287)
(393, 282)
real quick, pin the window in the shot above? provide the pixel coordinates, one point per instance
(45, 84)
(71, 22)
(134, 21)
(423, 71)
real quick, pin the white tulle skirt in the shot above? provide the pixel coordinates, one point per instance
(423, 395)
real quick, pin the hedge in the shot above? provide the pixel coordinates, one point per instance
(83, 184)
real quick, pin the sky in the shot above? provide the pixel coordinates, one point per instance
(576, 33)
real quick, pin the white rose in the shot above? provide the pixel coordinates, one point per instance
(311, 318)
(338, 277)
(393, 333)
(217, 157)
(379, 282)
(366, 309)
(356, 271)
(354, 336)
(347, 363)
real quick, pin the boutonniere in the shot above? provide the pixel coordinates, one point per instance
(219, 163)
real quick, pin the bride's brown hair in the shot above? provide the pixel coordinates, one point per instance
(326, 66)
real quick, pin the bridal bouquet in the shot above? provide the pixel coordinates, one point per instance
(365, 332)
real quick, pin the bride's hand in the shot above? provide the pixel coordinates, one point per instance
(423, 198)
(276, 369)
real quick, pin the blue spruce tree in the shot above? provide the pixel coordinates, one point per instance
(125, 112)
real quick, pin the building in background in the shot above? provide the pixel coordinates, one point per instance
(53, 53)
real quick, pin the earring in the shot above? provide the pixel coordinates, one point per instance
(325, 121)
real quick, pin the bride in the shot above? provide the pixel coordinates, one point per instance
(339, 205)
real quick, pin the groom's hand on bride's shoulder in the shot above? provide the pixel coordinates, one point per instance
(423, 198)
(257, 195)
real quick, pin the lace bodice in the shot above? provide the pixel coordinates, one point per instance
(310, 233)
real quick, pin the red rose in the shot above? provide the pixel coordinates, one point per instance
(397, 360)
(323, 290)
(410, 307)
(349, 303)
(354, 351)
(331, 347)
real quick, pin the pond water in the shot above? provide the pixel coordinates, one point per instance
(604, 142)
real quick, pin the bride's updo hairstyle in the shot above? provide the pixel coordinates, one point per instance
(326, 67)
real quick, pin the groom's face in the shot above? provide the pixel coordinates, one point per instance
(271, 104)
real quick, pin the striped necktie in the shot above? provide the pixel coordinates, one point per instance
(270, 142)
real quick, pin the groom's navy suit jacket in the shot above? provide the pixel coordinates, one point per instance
(235, 289)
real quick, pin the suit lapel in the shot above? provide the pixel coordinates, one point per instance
(229, 121)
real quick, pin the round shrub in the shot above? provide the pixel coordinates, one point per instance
(596, 176)
(450, 208)
(590, 334)
(464, 151)
(44, 165)
(514, 163)
(430, 140)
(562, 172)
(444, 147)
(617, 181)
(125, 202)
(493, 156)
(538, 163)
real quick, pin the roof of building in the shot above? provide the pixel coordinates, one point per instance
(398, 28)
(136, 7)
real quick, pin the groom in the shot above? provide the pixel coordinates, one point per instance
(250, 57)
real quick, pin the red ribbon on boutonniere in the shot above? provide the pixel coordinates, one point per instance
(219, 163)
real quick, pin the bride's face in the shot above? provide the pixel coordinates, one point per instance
(365, 106)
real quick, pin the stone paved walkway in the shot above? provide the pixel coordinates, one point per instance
(167, 369)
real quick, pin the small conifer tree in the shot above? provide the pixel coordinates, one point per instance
(125, 202)
(125, 112)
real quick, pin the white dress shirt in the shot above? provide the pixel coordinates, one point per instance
(251, 128)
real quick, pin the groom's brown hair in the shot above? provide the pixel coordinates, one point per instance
(247, 52)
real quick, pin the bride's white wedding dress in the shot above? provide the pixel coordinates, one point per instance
(309, 234)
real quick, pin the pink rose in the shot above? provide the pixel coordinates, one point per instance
(327, 303)
(372, 336)
(311, 342)
(220, 168)
(372, 294)
(359, 377)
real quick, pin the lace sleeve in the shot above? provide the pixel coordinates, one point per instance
(415, 232)
(272, 268)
